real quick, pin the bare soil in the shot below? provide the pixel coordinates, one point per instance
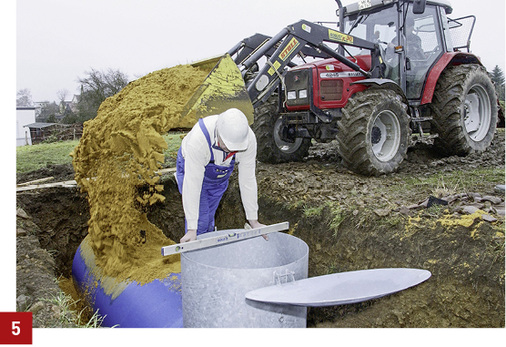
(350, 222)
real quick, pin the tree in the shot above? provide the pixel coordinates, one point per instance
(95, 88)
(48, 112)
(62, 95)
(497, 77)
(24, 98)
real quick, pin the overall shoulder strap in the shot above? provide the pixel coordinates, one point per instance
(208, 138)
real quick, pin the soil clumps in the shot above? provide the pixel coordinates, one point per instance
(121, 150)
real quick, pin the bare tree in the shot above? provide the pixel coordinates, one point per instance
(24, 98)
(95, 88)
(62, 94)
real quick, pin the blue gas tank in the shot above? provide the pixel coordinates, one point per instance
(157, 304)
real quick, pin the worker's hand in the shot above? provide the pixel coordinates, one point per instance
(191, 235)
(255, 224)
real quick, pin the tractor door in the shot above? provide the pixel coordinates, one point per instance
(423, 46)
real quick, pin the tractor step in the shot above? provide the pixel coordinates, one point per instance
(421, 119)
(426, 139)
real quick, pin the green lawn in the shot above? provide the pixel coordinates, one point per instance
(30, 158)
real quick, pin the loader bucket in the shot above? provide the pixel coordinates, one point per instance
(222, 89)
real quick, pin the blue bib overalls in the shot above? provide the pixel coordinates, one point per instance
(214, 185)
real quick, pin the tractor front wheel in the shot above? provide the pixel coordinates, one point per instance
(374, 132)
(271, 148)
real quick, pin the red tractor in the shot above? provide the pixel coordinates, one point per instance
(393, 74)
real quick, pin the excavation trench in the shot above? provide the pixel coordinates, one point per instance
(466, 260)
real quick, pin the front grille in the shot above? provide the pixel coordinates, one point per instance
(331, 90)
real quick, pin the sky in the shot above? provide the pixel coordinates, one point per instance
(59, 41)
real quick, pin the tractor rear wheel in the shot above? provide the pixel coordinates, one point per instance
(374, 132)
(267, 128)
(464, 110)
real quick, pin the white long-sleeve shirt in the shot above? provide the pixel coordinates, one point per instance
(195, 151)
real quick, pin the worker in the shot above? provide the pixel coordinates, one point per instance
(413, 42)
(205, 160)
(414, 53)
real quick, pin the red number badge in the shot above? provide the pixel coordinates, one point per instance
(16, 328)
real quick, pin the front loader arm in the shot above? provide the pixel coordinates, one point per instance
(250, 45)
(247, 46)
(290, 42)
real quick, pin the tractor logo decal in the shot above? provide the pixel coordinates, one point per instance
(290, 47)
(340, 74)
(340, 37)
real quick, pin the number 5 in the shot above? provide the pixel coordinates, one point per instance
(16, 330)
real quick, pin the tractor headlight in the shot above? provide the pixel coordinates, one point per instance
(292, 95)
(302, 94)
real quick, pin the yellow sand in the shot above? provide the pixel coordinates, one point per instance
(120, 150)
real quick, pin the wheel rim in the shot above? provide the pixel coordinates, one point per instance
(385, 135)
(283, 146)
(477, 113)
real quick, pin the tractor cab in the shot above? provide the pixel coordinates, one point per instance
(411, 43)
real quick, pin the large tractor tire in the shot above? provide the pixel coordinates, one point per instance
(464, 110)
(270, 147)
(374, 132)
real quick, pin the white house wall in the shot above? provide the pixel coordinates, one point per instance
(24, 116)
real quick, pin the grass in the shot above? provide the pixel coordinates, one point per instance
(310, 212)
(68, 317)
(449, 183)
(31, 158)
(173, 142)
(337, 214)
(459, 178)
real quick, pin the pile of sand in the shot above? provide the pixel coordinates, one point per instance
(121, 150)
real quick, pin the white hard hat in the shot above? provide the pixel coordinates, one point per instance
(233, 128)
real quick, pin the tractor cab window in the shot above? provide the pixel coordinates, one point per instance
(379, 27)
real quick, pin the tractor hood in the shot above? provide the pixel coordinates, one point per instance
(331, 64)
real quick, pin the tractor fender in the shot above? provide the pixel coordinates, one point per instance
(384, 83)
(452, 58)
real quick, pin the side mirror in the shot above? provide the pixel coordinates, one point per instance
(419, 6)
